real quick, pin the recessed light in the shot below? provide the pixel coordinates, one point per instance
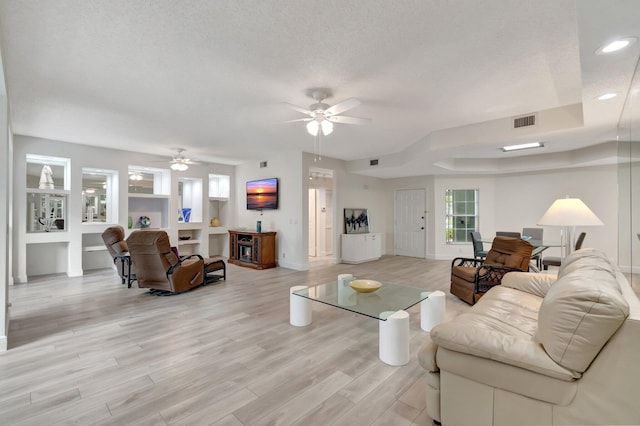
(522, 146)
(616, 45)
(607, 96)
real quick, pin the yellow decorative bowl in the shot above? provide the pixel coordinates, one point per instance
(365, 286)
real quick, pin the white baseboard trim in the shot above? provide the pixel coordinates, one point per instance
(3, 343)
(75, 272)
(18, 279)
(294, 266)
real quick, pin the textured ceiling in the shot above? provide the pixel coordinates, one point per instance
(211, 76)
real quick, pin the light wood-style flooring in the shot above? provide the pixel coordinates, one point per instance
(91, 351)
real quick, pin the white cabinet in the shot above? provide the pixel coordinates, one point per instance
(359, 248)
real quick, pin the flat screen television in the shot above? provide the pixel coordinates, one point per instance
(262, 194)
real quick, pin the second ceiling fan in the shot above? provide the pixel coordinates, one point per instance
(322, 116)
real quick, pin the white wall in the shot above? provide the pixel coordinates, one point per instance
(350, 191)
(629, 207)
(530, 195)
(512, 202)
(291, 243)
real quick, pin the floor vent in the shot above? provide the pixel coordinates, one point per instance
(529, 120)
(373, 162)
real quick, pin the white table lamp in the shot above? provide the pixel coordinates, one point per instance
(569, 213)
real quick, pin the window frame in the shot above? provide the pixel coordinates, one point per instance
(452, 232)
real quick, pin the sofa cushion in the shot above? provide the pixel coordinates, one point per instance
(581, 311)
(501, 327)
(587, 259)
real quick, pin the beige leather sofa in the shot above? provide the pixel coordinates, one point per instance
(540, 350)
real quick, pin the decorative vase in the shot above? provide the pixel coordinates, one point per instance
(145, 221)
(180, 216)
(214, 222)
(130, 222)
(259, 226)
(186, 214)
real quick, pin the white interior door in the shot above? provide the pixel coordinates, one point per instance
(411, 214)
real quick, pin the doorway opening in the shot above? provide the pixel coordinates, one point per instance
(320, 216)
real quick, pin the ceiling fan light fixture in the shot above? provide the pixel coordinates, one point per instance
(312, 127)
(327, 127)
(179, 167)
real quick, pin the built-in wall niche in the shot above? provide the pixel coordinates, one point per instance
(190, 200)
(219, 186)
(47, 173)
(148, 180)
(148, 211)
(46, 211)
(99, 195)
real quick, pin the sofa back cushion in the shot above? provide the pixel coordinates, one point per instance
(581, 311)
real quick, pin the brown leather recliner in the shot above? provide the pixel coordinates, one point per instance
(113, 238)
(158, 267)
(471, 278)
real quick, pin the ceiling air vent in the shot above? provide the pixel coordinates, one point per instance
(373, 162)
(528, 120)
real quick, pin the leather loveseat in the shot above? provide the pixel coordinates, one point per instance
(541, 350)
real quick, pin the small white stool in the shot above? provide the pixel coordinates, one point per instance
(299, 308)
(394, 338)
(432, 310)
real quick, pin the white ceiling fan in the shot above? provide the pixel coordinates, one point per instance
(322, 116)
(179, 162)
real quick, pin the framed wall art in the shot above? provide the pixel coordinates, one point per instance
(356, 221)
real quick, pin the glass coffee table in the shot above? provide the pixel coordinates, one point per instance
(388, 304)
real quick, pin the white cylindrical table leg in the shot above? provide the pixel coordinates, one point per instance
(346, 295)
(432, 310)
(299, 308)
(394, 338)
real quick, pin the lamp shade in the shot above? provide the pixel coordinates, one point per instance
(569, 212)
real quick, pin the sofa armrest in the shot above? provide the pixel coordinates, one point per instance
(529, 282)
(427, 356)
(476, 334)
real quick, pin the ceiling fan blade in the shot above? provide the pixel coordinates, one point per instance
(345, 119)
(342, 106)
(297, 108)
(299, 119)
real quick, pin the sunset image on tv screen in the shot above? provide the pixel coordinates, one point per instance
(262, 194)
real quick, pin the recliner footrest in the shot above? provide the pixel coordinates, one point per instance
(211, 266)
